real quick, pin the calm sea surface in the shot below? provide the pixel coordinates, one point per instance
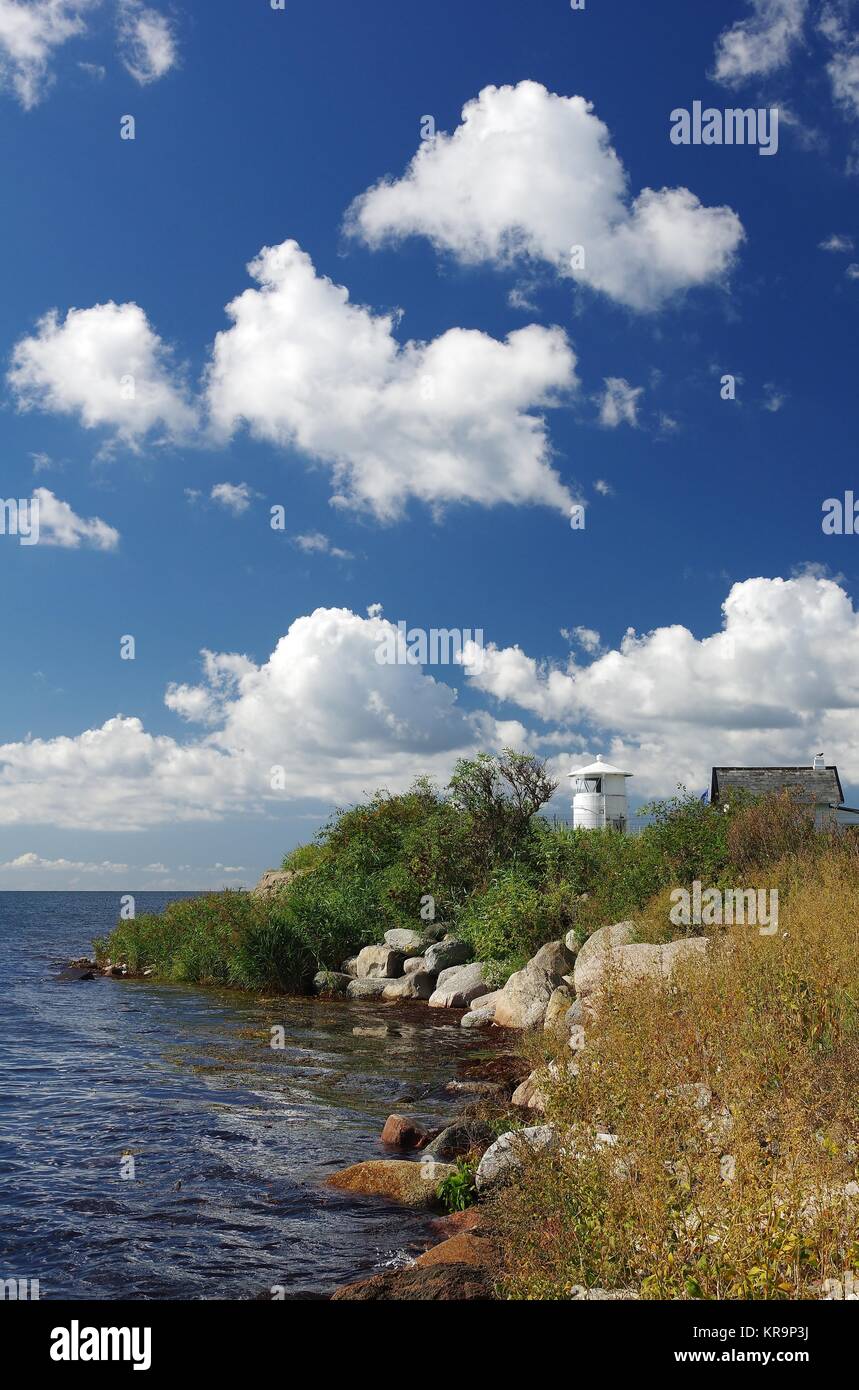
(231, 1140)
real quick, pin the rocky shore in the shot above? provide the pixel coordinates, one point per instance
(491, 1131)
(557, 990)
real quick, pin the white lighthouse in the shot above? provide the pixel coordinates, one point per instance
(599, 797)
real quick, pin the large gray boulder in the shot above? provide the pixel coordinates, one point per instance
(636, 963)
(478, 1018)
(457, 1139)
(485, 1001)
(412, 963)
(411, 943)
(417, 985)
(372, 987)
(525, 997)
(443, 954)
(600, 942)
(508, 1153)
(458, 986)
(375, 962)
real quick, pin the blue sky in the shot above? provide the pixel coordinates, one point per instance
(700, 616)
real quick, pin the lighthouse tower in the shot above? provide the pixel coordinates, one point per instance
(599, 797)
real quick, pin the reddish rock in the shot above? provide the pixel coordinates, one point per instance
(463, 1249)
(421, 1284)
(458, 1221)
(413, 1184)
(401, 1133)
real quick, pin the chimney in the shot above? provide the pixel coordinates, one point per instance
(819, 764)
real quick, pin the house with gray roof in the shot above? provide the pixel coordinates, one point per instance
(817, 787)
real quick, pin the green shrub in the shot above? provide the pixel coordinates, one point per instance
(230, 938)
(510, 918)
(457, 1191)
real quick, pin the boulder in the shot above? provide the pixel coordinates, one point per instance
(597, 946)
(411, 943)
(422, 1284)
(558, 1007)
(434, 931)
(486, 1001)
(572, 943)
(273, 881)
(413, 1184)
(457, 1221)
(331, 982)
(413, 963)
(478, 1018)
(459, 1139)
(465, 1248)
(416, 985)
(350, 966)
(525, 997)
(575, 1014)
(402, 1133)
(529, 1095)
(445, 953)
(634, 964)
(374, 962)
(509, 1153)
(458, 986)
(367, 989)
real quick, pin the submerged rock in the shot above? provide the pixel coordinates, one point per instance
(368, 989)
(331, 982)
(413, 1184)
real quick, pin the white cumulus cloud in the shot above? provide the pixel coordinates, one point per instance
(529, 175)
(59, 525)
(321, 711)
(106, 366)
(235, 497)
(779, 680)
(457, 419)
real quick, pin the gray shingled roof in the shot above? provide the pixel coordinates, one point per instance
(810, 786)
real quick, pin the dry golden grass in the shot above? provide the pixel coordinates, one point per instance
(742, 1197)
